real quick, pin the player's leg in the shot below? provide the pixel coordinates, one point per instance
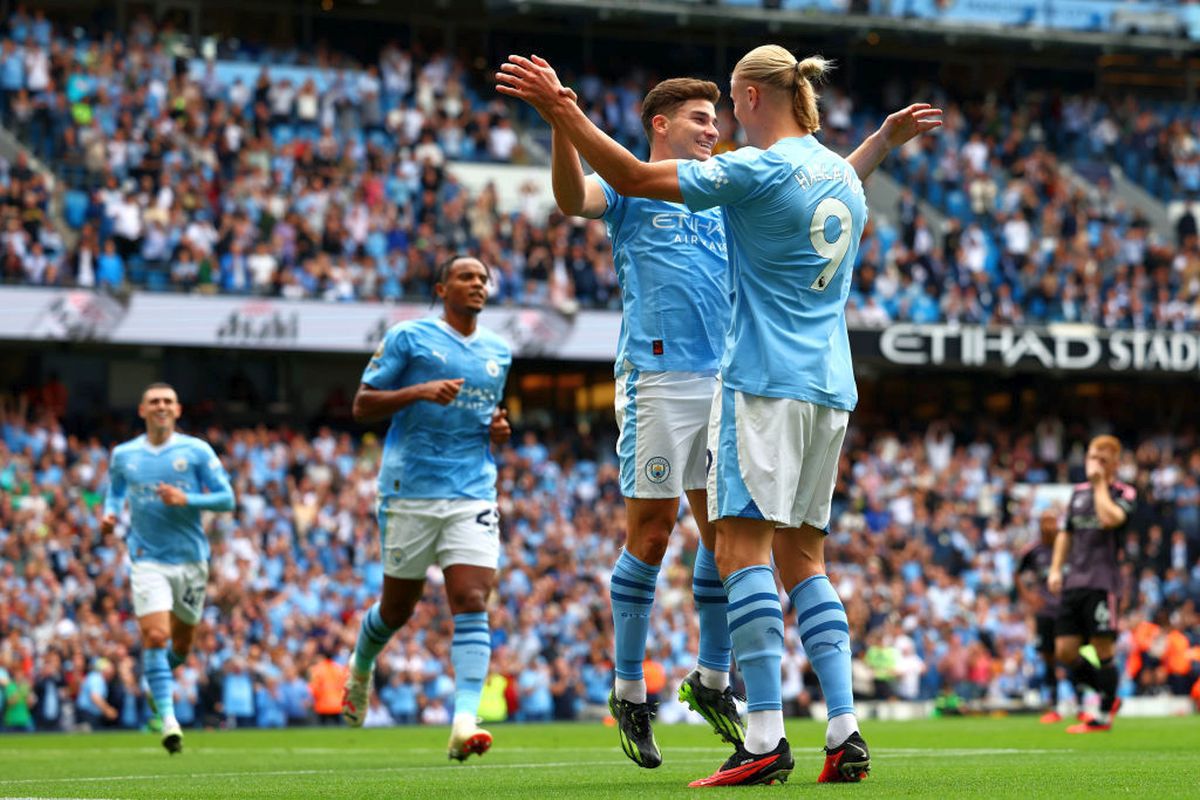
(1100, 615)
(154, 596)
(469, 552)
(409, 532)
(1045, 643)
(1069, 630)
(706, 690)
(657, 421)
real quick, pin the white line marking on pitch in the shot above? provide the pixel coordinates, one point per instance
(898, 752)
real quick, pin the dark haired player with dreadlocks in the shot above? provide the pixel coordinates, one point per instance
(440, 381)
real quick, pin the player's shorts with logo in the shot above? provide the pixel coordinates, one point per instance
(662, 419)
(773, 458)
(178, 588)
(1087, 613)
(419, 533)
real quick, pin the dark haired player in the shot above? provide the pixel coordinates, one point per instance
(440, 381)
(1030, 580)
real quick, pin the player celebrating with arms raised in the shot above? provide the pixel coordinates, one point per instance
(168, 478)
(1086, 572)
(671, 267)
(440, 380)
(794, 214)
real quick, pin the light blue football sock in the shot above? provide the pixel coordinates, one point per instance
(373, 636)
(756, 627)
(825, 634)
(158, 678)
(712, 608)
(470, 653)
(632, 592)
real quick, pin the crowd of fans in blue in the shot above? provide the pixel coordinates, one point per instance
(928, 528)
(316, 177)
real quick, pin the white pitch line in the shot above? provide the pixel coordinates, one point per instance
(889, 753)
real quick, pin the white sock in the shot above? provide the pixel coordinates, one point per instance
(464, 720)
(839, 730)
(764, 729)
(631, 691)
(712, 679)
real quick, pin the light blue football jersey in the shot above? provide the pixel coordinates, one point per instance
(158, 532)
(434, 451)
(672, 268)
(794, 215)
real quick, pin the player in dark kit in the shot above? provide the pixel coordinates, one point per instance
(1087, 547)
(1030, 580)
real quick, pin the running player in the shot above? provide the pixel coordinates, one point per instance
(1030, 580)
(794, 213)
(440, 381)
(168, 478)
(671, 266)
(1085, 570)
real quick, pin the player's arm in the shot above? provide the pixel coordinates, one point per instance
(214, 479)
(897, 129)
(1062, 546)
(573, 192)
(372, 405)
(1108, 510)
(1022, 580)
(114, 498)
(537, 84)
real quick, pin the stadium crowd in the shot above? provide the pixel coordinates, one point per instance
(320, 178)
(927, 531)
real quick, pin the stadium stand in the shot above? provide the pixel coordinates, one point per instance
(927, 530)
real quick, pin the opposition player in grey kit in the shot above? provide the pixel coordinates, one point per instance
(1086, 571)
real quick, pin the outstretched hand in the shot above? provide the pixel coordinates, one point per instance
(910, 122)
(532, 80)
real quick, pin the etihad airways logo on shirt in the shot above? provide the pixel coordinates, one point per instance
(715, 173)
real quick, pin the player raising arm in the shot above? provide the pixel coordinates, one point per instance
(1085, 570)
(672, 270)
(794, 214)
(168, 478)
(440, 381)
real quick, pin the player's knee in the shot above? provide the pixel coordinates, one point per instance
(396, 613)
(155, 638)
(468, 600)
(648, 543)
(1066, 654)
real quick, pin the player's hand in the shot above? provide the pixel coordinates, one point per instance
(910, 122)
(532, 80)
(1054, 582)
(108, 524)
(500, 430)
(443, 392)
(1095, 473)
(171, 495)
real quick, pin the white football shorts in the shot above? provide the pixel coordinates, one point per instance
(178, 588)
(773, 458)
(420, 533)
(662, 419)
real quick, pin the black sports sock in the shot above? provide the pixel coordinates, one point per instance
(1052, 684)
(1083, 674)
(1106, 684)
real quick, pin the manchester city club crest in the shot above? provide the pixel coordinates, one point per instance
(492, 367)
(658, 469)
(180, 464)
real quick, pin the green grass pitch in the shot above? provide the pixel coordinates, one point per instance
(953, 758)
